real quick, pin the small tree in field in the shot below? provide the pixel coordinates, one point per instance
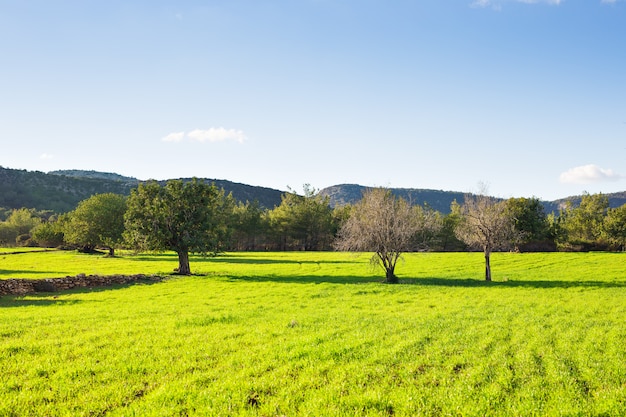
(305, 220)
(383, 224)
(19, 223)
(615, 226)
(486, 224)
(583, 225)
(97, 221)
(182, 217)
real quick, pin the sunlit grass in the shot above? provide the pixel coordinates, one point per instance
(312, 334)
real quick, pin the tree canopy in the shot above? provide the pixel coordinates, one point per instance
(615, 226)
(582, 226)
(97, 221)
(305, 220)
(181, 216)
(486, 224)
(383, 224)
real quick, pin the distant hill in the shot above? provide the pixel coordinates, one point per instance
(436, 199)
(61, 191)
(440, 200)
(615, 200)
(267, 197)
(77, 173)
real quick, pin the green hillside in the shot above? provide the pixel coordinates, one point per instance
(440, 200)
(61, 191)
(351, 193)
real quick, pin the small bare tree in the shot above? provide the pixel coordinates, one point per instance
(485, 224)
(383, 224)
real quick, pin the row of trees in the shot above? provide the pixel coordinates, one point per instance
(197, 217)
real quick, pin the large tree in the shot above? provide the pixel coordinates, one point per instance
(446, 238)
(531, 223)
(582, 226)
(248, 226)
(615, 226)
(97, 221)
(486, 224)
(50, 233)
(181, 216)
(384, 224)
(303, 221)
(19, 223)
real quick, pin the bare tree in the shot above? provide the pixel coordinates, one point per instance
(383, 224)
(485, 224)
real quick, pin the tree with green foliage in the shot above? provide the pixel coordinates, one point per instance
(50, 233)
(614, 226)
(18, 225)
(446, 238)
(530, 221)
(582, 226)
(381, 223)
(180, 216)
(341, 214)
(428, 227)
(97, 222)
(303, 221)
(248, 226)
(486, 224)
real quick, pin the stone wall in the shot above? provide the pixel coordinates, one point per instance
(28, 286)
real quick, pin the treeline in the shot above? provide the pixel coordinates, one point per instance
(307, 222)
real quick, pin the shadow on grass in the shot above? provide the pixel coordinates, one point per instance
(234, 259)
(42, 301)
(8, 274)
(55, 298)
(260, 261)
(308, 279)
(433, 282)
(470, 282)
(20, 252)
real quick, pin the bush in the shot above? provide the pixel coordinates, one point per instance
(8, 234)
(25, 240)
(48, 235)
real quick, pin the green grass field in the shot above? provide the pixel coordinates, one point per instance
(317, 334)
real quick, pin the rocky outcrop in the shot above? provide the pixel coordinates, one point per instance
(28, 286)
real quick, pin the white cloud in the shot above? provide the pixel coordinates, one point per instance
(46, 156)
(218, 134)
(481, 3)
(556, 2)
(174, 137)
(588, 174)
(497, 4)
(213, 134)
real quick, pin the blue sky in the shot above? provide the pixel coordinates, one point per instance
(527, 97)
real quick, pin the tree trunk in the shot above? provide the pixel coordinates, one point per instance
(390, 277)
(487, 267)
(183, 263)
(111, 252)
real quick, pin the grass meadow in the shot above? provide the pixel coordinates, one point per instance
(317, 334)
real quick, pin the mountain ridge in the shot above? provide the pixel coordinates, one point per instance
(60, 191)
(440, 200)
